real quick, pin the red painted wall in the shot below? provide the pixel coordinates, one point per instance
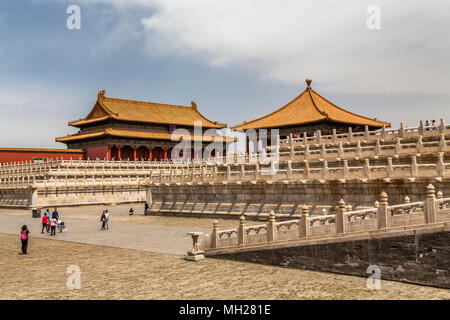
(16, 155)
(97, 152)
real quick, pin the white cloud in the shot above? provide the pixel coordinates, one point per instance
(326, 39)
(289, 40)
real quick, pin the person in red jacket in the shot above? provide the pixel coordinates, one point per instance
(44, 223)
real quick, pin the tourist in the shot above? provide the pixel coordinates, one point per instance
(131, 212)
(24, 236)
(146, 208)
(55, 214)
(44, 223)
(48, 225)
(47, 213)
(102, 219)
(107, 219)
(53, 224)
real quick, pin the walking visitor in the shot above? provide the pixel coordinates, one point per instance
(107, 219)
(24, 236)
(53, 224)
(44, 223)
(102, 219)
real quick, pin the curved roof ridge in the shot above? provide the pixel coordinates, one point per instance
(344, 110)
(194, 106)
(314, 103)
(273, 112)
(146, 102)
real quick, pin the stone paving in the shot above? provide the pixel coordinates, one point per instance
(86, 229)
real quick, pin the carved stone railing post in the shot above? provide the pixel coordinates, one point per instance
(440, 166)
(366, 168)
(430, 205)
(419, 145)
(289, 170)
(345, 171)
(340, 217)
(323, 151)
(406, 199)
(291, 147)
(401, 130)
(319, 137)
(442, 127)
(306, 170)
(256, 171)
(241, 231)
(228, 173)
(215, 169)
(421, 128)
(442, 143)
(305, 138)
(377, 147)
(333, 136)
(358, 149)
(306, 153)
(340, 154)
(383, 132)
(203, 174)
(325, 170)
(349, 135)
(215, 235)
(440, 195)
(304, 225)
(366, 133)
(383, 216)
(414, 167)
(271, 228)
(390, 168)
(242, 172)
(398, 146)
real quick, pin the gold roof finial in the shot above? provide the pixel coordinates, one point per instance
(101, 94)
(308, 82)
(194, 105)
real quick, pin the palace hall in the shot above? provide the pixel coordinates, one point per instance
(137, 130)
(310, 112)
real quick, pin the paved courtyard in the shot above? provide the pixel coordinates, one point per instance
(125, 232)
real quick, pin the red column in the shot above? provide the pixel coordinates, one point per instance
(118, 153)
(134, 154)
(150, 154)
(108, 153)
(165, 154)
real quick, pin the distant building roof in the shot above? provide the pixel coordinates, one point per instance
(308, 107)
(41, 150)
(137, 134)
(147, 112)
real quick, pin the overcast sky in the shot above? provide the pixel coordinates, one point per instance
(238, 59)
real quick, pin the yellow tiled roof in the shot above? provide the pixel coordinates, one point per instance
(308, 107)
(149, 112)
(138, 134)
